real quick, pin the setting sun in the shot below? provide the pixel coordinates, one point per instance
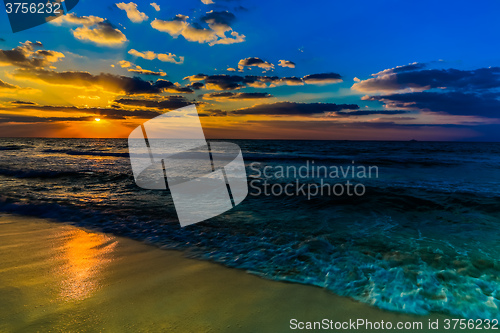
(97, 119)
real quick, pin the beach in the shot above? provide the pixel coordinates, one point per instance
(422, 239)
(55, 277)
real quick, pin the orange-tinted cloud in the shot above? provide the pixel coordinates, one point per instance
(215, 34)
(102, 33)
(286, 63)
(132, 13)
(165, 57)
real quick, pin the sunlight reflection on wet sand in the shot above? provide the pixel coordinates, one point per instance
(85, 255)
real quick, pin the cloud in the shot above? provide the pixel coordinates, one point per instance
(291, 81)
(7, 86)
(370, 112)
(102, 33)
(108, 82)
(482, 78)
(254, 62)
(174, 27)
(292, 108)
(132, 13)
(26, 55)
(170, 87)
(196, 85)
(72, 19)
(140, 70)
(92, 28)
(286, 63)
(224, 82)
(399, 69)
(324, 78)
(165, 57)
(239, 96)
(112, 113)
(16, 118)
(452, 102)
(215, 34)
(450, 91)
(196, 77)
(155, 6)
(224, 17)
(207, 2)
(125, 63)
(22, 103)
(168, 103)
(232, 82)
(149, 55)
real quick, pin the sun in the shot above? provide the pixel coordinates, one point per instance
(97, 119)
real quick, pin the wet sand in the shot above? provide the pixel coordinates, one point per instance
(55, 277)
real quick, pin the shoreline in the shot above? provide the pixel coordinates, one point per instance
(61, 278)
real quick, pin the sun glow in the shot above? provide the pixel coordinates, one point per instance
(97, 119)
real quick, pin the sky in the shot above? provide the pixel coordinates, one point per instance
(327, 70)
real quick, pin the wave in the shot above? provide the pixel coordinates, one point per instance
(85, 153)
(39, 173)
(11, 147)
(382, 161)
(103, 177)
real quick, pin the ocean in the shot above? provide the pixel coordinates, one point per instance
(423, 236)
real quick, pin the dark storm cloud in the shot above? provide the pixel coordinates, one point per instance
(171, 87)
(236, 81)
(170, 103)
(232, 95)
(482, 78)
(196, 85)
(108, 82)
(23, 103)
(451, 91)
(224, 82)
(324, 78)
(292, 108)
(14, 118)
(113, 113)
(371, 112)
(233, 82)
(453, 102)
